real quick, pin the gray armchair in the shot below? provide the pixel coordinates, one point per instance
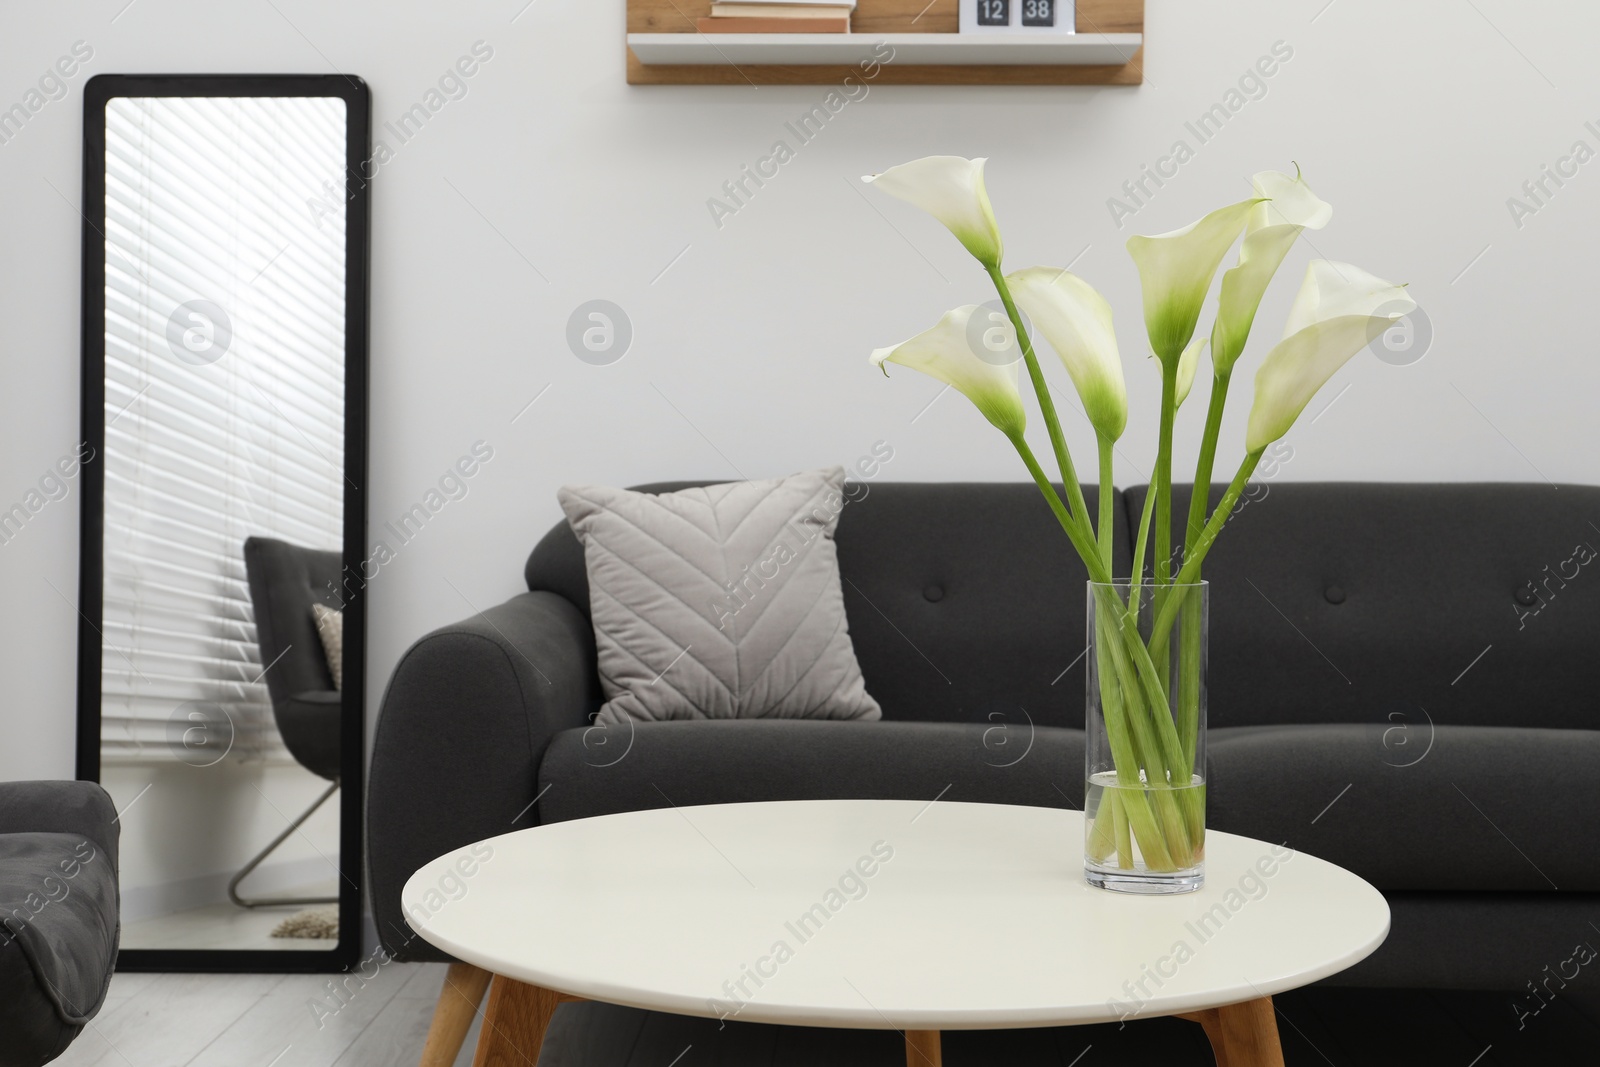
(58, 914)
(285, 580)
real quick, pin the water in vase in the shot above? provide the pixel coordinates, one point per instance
(1142, 838)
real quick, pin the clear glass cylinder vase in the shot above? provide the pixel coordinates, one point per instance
(1145, 792)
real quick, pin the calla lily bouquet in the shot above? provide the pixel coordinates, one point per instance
(1149, 692)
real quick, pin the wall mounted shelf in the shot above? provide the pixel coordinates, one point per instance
(832, 49)
(665, 48)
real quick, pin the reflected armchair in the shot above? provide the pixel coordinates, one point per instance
(285, 580)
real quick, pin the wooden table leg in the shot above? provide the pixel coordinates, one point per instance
(515, 1022)
(922, 1049)
(459, 998)
(1242, 1035)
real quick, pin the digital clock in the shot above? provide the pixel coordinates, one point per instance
(1017, 16)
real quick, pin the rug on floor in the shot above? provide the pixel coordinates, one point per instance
(321, 924)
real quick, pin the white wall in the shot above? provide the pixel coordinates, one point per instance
(1417, 121)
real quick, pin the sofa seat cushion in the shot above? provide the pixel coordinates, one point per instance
(1417, 807)
(634, 766)
(58, 940)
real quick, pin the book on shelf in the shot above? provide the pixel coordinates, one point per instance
(746, 9)
(771, 25)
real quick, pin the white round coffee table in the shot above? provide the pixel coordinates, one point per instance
(903, 915)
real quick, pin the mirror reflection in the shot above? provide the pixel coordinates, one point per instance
(223, 516)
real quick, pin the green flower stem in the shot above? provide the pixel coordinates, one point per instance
(1126, 747)
(1191, 565)
(1102, 834)
(1142, 678)
(1189, 637)
(1126, 670)
(1208, 457)
(1109, 833)
(1118, 678)
(1077, 526)
(1119, 817)
(1154, 731)
(1195, 812)
(1131, 696)
(1162, 576)
(1047, 404)
(1174, 814)
(1076, 533)
(1139, 546)
(1168, 822)
(1105, 514)
(1189, 650)
(1134, 595)
(1163, 473)
(1155, 734)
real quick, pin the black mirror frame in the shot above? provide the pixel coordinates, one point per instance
(353, 91)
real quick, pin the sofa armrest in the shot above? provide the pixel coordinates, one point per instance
(60, 807)
(463, 726)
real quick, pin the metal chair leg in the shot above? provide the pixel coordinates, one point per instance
(233, 886)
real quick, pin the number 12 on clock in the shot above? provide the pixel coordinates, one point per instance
(1017, 16)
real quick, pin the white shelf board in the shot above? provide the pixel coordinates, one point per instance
(919, 49)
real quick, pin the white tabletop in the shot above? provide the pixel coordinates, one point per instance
(974, 916)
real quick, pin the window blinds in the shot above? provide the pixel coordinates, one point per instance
(224, 397)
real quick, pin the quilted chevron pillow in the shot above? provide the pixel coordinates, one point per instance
(720, 602)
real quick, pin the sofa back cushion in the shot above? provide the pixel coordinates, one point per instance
(1399, 604)
(965, 601)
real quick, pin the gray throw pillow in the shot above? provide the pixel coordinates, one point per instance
(720, 602)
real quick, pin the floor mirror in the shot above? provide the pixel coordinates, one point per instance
(221, 666)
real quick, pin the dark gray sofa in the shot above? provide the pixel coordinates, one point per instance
(58, 914)
(1403, 681)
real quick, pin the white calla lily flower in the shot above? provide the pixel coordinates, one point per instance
(1188, 363)
(1272, 230)
(1175, 271)
(951, 189)
(945, 352)
(1340, 310)
(1076, 320)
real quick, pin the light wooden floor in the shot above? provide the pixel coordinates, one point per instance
(262, 1020)
(194, 1020)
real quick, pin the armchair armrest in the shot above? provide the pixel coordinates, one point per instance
(463, 726)
(61, 807)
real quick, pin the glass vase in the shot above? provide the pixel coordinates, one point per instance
(1145, 793)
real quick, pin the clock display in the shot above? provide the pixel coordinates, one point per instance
(1032, 17)
(996, 12)
(1038, 12)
